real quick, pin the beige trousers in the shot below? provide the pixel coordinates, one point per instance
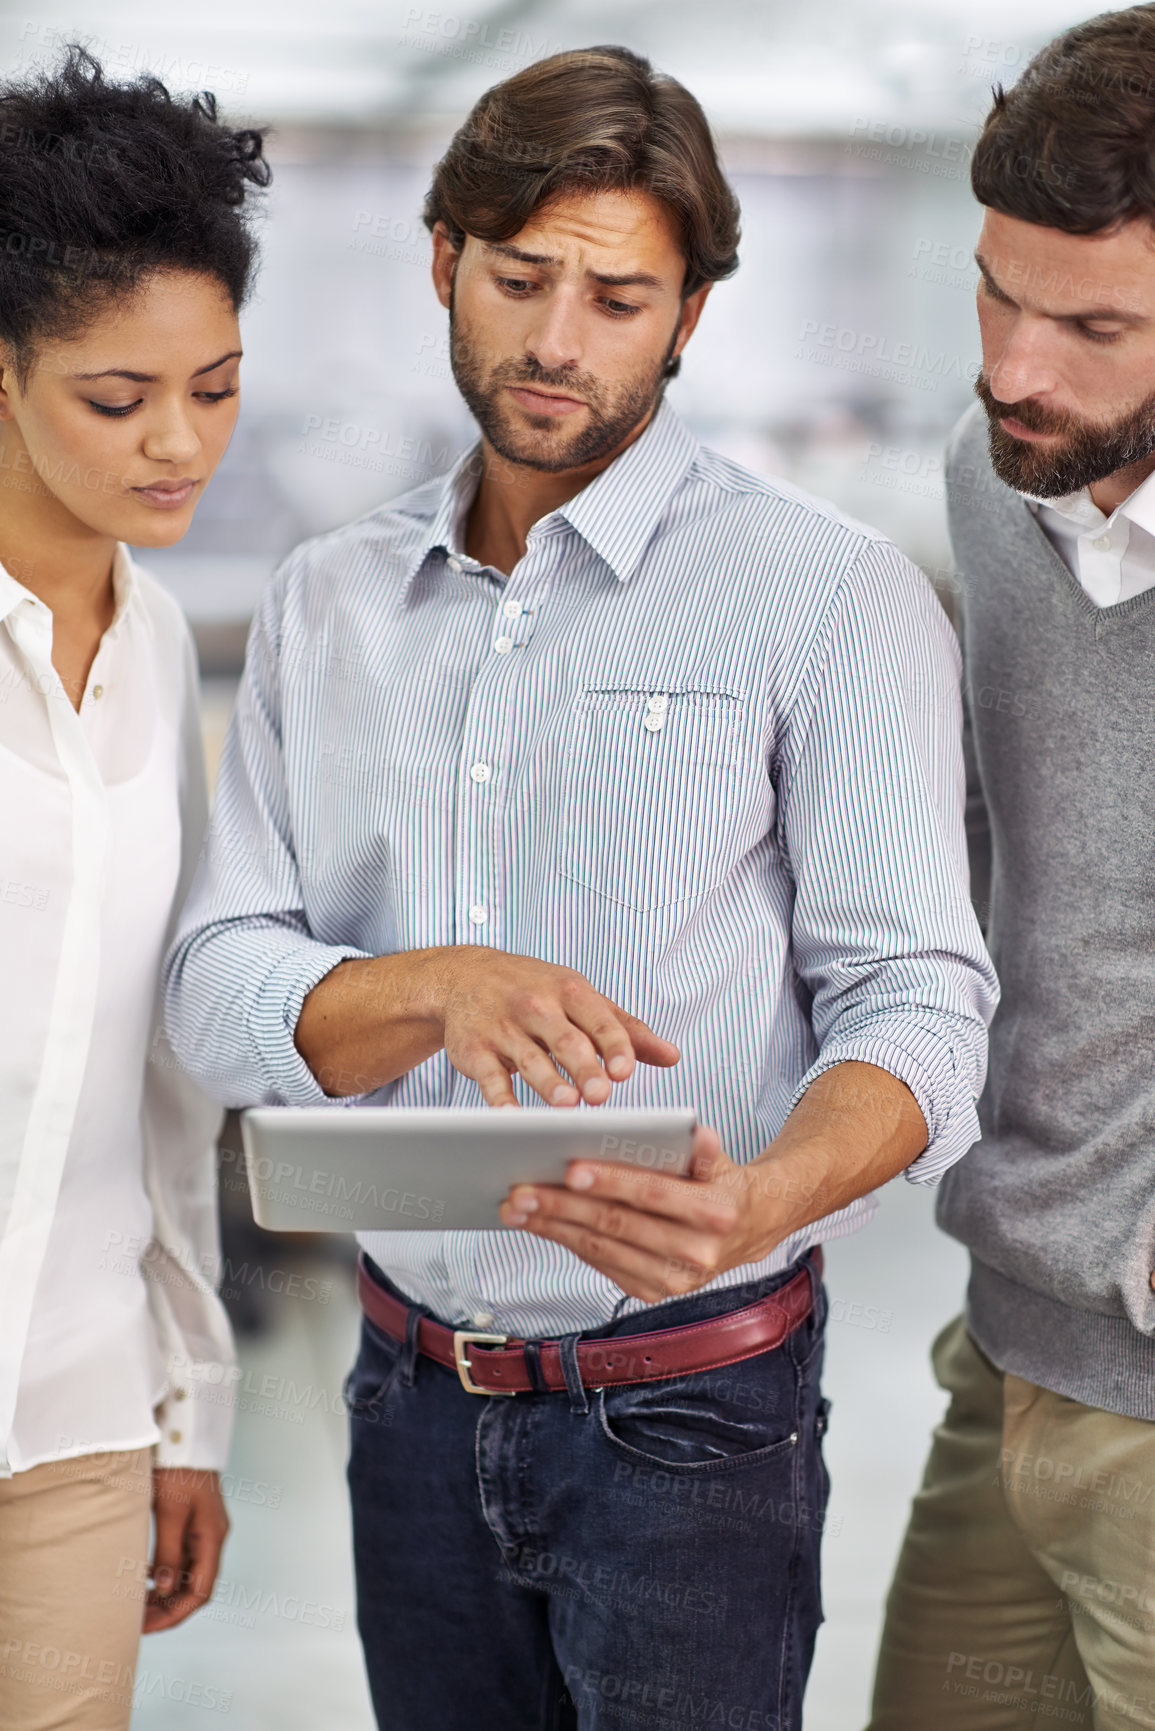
(1025, 1590)
(73, 1561)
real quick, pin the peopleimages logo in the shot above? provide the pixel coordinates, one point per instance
(875, 346)
(315, 1192)
(641, 1153)
(1029, 1690)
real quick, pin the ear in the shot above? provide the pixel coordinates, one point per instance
(690, 314)
(445, 257)
(8, 385)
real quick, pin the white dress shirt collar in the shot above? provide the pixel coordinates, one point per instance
(125, 589)
(1138, 507)
(1112, 557)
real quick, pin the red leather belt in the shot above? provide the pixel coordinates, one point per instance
(498, 1364)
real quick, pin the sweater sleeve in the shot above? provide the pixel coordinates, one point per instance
(960, 477)
(978, 821)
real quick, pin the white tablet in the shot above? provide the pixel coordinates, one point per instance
(380, 1169)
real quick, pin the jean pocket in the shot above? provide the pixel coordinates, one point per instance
(368, 1382)
(740, 1415)
(649, 817)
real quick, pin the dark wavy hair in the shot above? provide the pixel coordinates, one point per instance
(1072, 144)
(101, 185)
(589, 120)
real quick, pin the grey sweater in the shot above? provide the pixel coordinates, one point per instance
(1057, 1202)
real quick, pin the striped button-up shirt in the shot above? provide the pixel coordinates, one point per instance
(702, 744)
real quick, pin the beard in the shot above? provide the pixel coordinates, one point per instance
(544, 442)
(1090, 451)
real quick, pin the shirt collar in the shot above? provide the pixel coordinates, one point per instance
(125, 590)
(454, 496)
(1080, 510)
(617, 513)
(1139, 506)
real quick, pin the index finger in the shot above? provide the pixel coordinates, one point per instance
(169, 1545)
(199, 1565)
(618, 1037)
(205, 1544)
(167, 1568)
(651, 1048)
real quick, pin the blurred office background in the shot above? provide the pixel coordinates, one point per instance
(839, 356)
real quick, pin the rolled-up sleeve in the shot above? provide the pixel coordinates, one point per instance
(244, 959)
(871, 793)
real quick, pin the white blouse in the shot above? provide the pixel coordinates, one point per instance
(109, 1251)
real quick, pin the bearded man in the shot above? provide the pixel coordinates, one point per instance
(645, 749)
(1024, 1589)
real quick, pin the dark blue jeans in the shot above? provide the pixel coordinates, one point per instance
(643, 1557)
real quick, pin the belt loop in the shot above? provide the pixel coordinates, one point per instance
(567, 1350)
(408, 1360)
(537, 1381)
(814, 1270)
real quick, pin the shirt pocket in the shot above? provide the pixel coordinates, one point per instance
(649, 775)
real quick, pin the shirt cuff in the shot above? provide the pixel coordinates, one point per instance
(274, 1015)
(928, 1061)
(195, 1417)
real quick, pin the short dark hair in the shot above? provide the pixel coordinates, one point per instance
(101, 185)
(1072, 145)
(589, 120)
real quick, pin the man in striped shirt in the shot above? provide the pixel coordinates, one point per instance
(599, 767)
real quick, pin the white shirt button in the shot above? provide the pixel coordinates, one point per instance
(657, 705)
(98, 691)
(453, 562)
(482, 1319)
(503, 645)
(654, 723)
(479, 771)
(1102, 543)
(512, 609)
(477, 914)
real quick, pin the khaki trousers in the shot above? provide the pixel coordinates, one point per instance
(73, 1562)
(1025, 1590)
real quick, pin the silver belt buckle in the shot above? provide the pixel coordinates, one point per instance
(462, 1337)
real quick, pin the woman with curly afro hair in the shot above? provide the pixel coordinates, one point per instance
(125, 254)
